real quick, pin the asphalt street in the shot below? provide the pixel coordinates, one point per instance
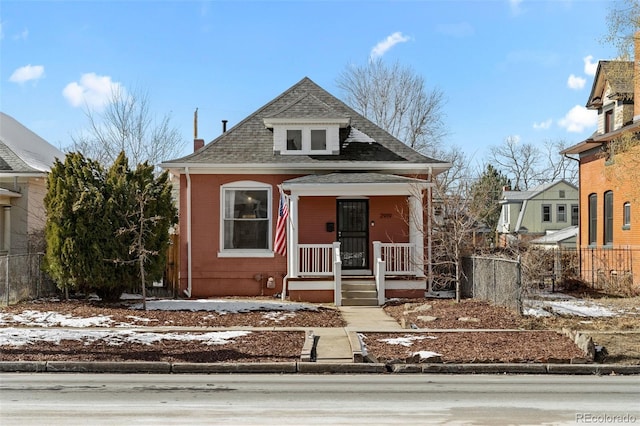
(110, 399)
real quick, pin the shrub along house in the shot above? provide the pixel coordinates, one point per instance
(354, 206)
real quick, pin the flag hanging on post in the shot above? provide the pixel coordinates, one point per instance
(280, 243)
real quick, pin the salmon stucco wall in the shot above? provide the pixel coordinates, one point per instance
(213, 275)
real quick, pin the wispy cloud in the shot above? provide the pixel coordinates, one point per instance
(516, 7)
(23, 35)
(459, 30)
(590, 67)
(92, 90)
(579, 119)
(382, 47)
(576, 83)
(27, 73)
(543, 125)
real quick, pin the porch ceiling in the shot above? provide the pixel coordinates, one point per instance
(355, 184)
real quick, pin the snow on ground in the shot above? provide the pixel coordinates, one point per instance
(405, 340)
(548, 304)
(26, 336)
(275, 311)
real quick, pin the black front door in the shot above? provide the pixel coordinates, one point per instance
(353, 233)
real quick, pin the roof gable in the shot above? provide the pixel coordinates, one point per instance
(519, 196)
(251, 142)
(619, 76)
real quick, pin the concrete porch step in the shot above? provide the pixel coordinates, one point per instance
(360, 301)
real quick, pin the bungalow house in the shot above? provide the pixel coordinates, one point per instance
(527, 215)
(609, 237)
(308, 199)
(25, 161)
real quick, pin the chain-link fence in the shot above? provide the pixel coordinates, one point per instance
(494, 279)
(22, 278)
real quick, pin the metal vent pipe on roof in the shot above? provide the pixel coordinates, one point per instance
(224, 125)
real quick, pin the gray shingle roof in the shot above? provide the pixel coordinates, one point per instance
(251, 142)
(22, 151)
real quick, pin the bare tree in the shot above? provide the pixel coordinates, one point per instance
(452, 236)
(128, 125)
(559, 166)
(623, 21)
(519, 161)
(396, 99)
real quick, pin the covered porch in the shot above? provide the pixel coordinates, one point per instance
(356, 238)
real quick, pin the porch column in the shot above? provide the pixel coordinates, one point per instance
(416, 230)
(6, 241)
(292, 236)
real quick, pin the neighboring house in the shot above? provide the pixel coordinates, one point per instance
(609, 236)
(527, 215)
(25, 161)
(353, 194)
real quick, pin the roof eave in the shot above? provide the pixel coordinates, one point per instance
(261, 168)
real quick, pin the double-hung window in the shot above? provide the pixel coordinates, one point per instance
(546, 213)
(608, 217)
(575, 214)
(626, 216)
(561, 213)
(246, 219)
(593, 219)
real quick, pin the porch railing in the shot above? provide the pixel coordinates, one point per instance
(316, 259)
(398, 258)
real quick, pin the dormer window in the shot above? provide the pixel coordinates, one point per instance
(294, 140)
(306, 136)
(307, 140)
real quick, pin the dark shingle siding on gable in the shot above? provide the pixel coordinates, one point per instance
(251, 142)
(10, 162)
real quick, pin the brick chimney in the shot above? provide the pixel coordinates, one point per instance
(197, 143)
(636, 77)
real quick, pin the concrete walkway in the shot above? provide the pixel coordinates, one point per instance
(334, 345)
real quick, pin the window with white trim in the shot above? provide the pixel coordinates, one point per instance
(305, 139)
(561, 213)
(546, 213)
(246, 217)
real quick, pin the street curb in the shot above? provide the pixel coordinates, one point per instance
(107, 367)
(310, 368)
(242, 368)
(340, 368)
(23, 366)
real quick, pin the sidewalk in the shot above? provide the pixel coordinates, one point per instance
(335, 345)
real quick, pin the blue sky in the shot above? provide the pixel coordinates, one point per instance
(514, 68)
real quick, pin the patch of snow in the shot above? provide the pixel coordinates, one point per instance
(566, 305)
(278, 316)
(54, 319)
(406, 340)
(426, 354)
(21, 336)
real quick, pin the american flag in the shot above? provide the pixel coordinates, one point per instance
(280, 243)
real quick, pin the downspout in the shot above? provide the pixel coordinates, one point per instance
(187, 291)
(430, 230)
